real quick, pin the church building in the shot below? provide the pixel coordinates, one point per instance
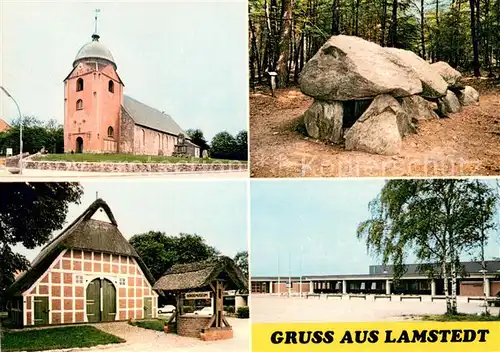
(89, 273)
(99, 118)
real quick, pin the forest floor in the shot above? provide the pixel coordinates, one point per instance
(465, 144)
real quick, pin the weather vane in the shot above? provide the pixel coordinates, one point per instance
(96, 14)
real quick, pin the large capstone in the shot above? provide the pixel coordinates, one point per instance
(433, 85)
(324, 121)
(351, 68)
(449, 74)
(468, 96)
(381, 128)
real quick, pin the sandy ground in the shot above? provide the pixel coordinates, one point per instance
(142, 340)
(29, 174)
(274, 309)
(467, 143)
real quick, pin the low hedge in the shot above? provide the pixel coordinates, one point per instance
(243, 312)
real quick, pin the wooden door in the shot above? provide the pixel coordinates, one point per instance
(148, 307)
(93, 296)
(108, 301)
(41, 310)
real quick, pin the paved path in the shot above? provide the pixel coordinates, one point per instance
(49, 174)
(273, 309)
(143, 340)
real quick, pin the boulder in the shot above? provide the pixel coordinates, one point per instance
(324, 121)
(468, 96)
(448, 104)
(351, 68)
(418, 108)
(449, 74)
(433, 85)
(381, 128)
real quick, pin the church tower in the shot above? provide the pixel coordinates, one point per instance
(93, 95)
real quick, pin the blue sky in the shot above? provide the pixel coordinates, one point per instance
(186, 58)
(217, 211)
(321, 216)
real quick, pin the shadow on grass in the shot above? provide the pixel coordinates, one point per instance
(56, 338)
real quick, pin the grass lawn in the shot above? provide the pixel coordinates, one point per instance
(128, 158)
(460, 317)
(56, 338)
(155, 324)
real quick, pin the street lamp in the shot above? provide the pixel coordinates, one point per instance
(20, 129)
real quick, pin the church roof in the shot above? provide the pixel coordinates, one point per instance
(94, 50)
(85, 233)
(147, 116)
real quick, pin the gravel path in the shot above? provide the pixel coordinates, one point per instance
(273, 309)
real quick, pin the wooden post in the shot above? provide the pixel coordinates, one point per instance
(272, 79)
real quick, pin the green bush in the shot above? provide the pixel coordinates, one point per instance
(149, 324)
(229, 309)
(243, 312)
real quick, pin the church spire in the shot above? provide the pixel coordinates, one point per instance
(95, 36)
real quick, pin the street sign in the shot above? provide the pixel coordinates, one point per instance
(197, 295)
(9, 152)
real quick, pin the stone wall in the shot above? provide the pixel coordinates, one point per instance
(132, 167)
(126, 135)
(191, 326)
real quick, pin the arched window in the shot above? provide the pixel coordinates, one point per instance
(111, 86)
(79, 104)
(111, 132)
(79, 85)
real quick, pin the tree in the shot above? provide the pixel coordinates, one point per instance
(223, 146)
(37, 134)
(29, 214)
(198, 138)
(436, 220)
(160, 251)
(284, 47)
(241, 259)
(242, 145)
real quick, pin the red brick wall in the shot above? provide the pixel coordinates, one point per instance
(282, 287)
(494, 287)
(296, 287)
(471, 288)
(191, 325)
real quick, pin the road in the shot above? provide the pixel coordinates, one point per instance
(30, 174)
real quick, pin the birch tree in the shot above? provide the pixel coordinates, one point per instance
(435, 220)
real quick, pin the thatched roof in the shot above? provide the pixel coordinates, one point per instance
(84, 233)
(199, 275)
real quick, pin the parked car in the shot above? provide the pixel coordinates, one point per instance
(166, 309)
(205, 311)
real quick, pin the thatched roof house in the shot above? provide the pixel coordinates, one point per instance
(198, 276)
(84, 233)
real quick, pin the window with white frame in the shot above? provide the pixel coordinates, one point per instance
(79, 279)
(122, 281)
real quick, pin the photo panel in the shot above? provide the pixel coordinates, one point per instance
(163, 264)
(351, 88)
(357, 265)
(123, 88)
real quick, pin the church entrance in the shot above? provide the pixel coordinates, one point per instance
(79, 145)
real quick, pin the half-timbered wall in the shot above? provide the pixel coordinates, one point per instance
(66, 280)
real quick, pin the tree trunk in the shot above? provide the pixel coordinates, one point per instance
(438, 33)
(284, 55)
(394, 24)
(335, 17)
(383, 22)
(422, 26)
(453, 284)
(298, 54)
(356, 24)
(254, 56)
(475, 44)
(445, 284)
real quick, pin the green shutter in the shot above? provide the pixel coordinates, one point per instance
(148, 307)
(41, 310)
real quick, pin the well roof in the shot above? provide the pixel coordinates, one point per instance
(199, 275)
